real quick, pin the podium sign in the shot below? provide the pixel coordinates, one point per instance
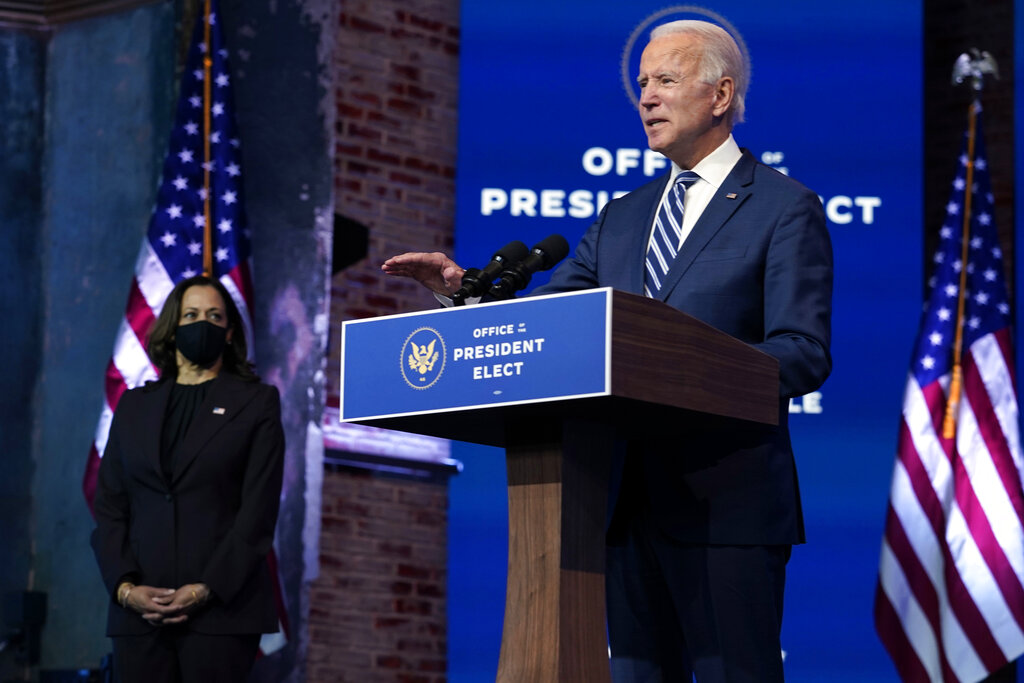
(487, 355)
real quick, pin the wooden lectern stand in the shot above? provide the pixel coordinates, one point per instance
(666, 368)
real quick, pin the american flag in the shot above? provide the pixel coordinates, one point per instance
(173, 247)
(949, 604)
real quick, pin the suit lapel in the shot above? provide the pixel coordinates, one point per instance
(223, 403)
(733, 192)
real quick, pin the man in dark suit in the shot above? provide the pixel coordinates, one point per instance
(703, 526)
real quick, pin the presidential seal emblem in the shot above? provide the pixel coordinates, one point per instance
(423, 357)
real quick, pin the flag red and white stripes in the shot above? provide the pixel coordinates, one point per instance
(949, 605)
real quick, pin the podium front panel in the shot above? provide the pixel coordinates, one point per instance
(502, 353)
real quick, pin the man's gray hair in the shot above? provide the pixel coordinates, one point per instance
(721, 57)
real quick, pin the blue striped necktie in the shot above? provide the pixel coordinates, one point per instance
(667, 235)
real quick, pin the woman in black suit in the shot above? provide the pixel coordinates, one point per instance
(187, 500)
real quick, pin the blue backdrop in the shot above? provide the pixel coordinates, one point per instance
(547, 132)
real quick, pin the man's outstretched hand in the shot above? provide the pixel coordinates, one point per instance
(434, 271)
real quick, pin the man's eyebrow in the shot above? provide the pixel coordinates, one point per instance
(659, 74)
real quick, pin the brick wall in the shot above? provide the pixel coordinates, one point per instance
(377, 611)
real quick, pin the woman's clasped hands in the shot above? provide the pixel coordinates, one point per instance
(163, 606)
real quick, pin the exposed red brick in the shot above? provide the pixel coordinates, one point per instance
(349, 184)
(404, 178)
(412, 678)
(418, 164)
(433, 665)
(424, 22)
(367, 98)
(363, 132)
(382, 120)
(406, 71)
(396, 104)
(390, 622)
(350, 112)
(414, 572)
(395, 549)
(428, 517)
(420, 645)
(389, 662)
(429, 590)
(343, 149)
(374, 154)
(359, 168)
(363, 26)
(403, 606)
(421, 93)
(384, 303)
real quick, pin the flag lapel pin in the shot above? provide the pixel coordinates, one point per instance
(731, 195)
(218, 411)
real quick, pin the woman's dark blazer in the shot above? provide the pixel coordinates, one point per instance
(213, 522)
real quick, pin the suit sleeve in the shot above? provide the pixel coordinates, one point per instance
(251, 536)
(580, 271)
(798, 297)
(112, 509)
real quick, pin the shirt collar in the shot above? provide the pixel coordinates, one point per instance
(715, 167)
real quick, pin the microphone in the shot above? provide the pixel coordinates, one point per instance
(475, 281)
(544, 255)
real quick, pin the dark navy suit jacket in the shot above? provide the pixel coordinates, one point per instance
(213, 522)
(758, 266)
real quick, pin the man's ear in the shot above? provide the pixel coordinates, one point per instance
(725, 89)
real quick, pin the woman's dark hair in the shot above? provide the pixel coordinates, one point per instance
(160, 342)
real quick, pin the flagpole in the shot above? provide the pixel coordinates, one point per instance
(975, 68)
(207, 97)
(956, 382)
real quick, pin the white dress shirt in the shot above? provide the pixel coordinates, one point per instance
(713, 170)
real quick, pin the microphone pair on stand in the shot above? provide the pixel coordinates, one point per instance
(510, 269)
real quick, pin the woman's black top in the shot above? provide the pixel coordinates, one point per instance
(182, 406)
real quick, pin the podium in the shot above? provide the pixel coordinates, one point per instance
(560, 382)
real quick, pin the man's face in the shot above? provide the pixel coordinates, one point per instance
(682, 115)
